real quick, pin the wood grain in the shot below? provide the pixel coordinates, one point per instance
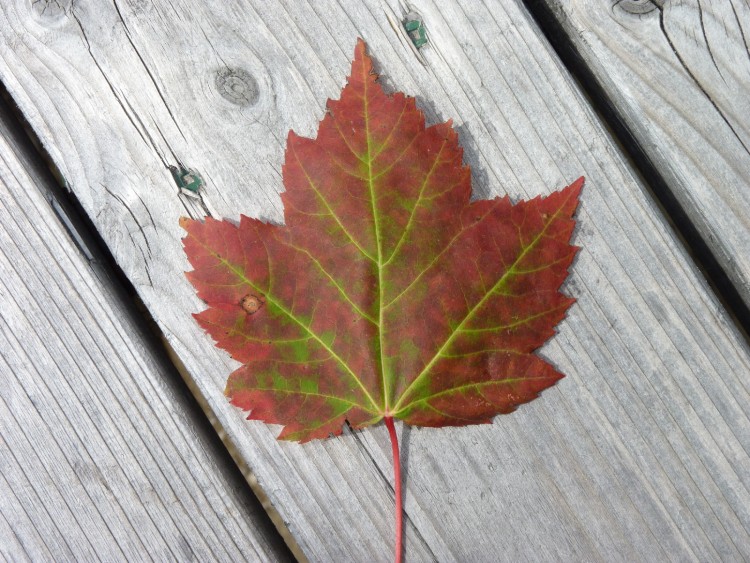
(99, 455)
(678, 76)
(641, 453)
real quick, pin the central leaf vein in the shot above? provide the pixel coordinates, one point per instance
(378, 240)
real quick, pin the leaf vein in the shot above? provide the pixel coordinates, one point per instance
(519, 322)
(336, 284)
(382, 146)
(434, 260)
(466, 387)
(416, 205)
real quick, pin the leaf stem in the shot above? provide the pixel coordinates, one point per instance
(397, 487)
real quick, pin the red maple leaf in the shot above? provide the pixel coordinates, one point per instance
(387, 294)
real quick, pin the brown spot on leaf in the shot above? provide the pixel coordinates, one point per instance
(251, 303)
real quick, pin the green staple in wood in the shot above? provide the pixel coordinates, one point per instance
(415, 28)
(186, 179)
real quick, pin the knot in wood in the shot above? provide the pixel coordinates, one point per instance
(238, 86)
(637, 7)
(51, 11)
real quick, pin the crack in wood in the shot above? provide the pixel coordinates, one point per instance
(695, 80)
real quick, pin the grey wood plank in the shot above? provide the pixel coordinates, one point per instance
(12, 549)
(678, 76)
(641, 453)
(98, 453)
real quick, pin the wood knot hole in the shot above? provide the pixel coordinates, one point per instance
(238, 86)
(251, 303)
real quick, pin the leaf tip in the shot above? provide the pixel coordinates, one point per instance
(575, 187)
(362, 62)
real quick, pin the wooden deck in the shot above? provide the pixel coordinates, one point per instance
(640, 453)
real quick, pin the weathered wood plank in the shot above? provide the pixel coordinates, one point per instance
(641, 453)
(98, 453)
(678, 76)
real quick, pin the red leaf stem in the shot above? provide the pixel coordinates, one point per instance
(397, 486)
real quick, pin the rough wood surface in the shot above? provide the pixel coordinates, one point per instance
(99, 457)
(678, 75)
(641, 453)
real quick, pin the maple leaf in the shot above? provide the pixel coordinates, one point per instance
(387, 293)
